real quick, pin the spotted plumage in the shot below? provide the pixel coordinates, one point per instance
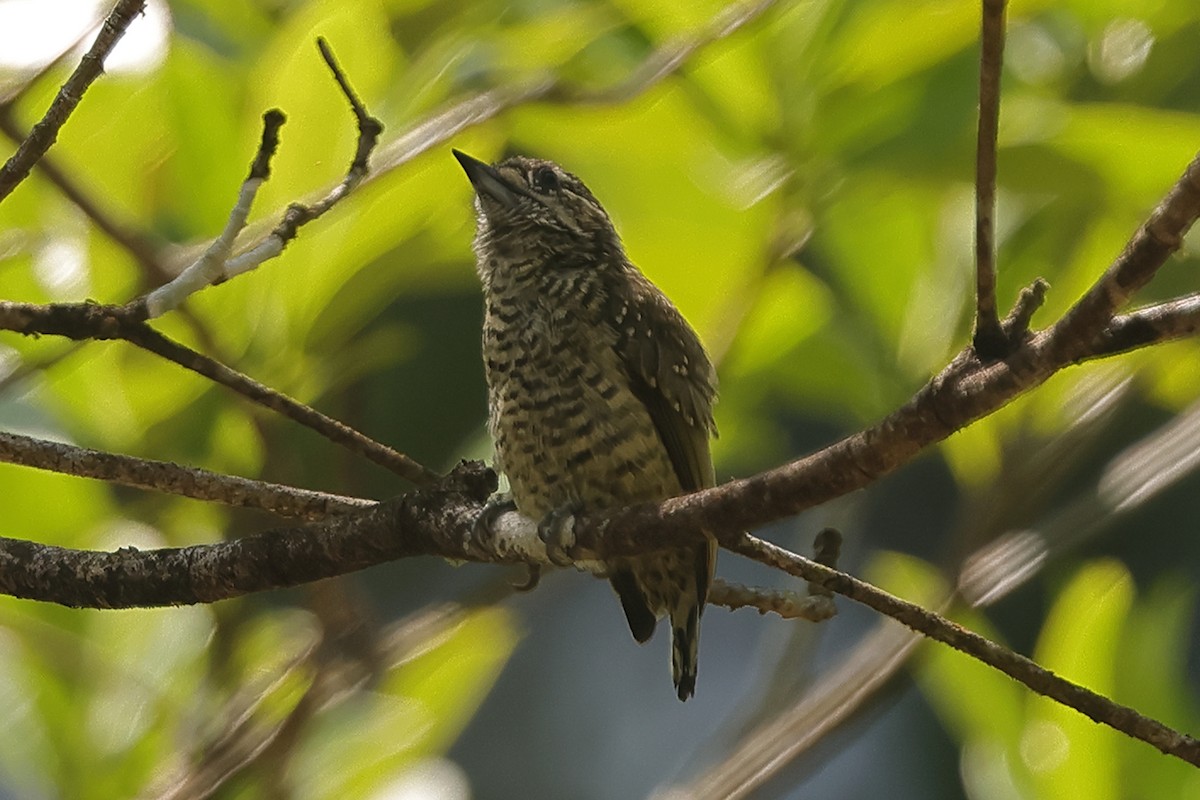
(599, 393)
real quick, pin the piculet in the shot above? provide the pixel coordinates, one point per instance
(600, 394)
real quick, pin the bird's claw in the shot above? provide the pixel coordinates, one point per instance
(533, 576)
(484, 525)
(552, 530)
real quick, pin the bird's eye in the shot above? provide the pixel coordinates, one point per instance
(544, 179)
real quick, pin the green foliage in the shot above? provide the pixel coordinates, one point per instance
(1098, 634)
(802, 190)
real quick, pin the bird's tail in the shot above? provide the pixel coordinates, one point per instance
(685, 648)
(685, 620)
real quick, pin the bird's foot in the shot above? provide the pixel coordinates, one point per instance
(555, 534)
(484, 526)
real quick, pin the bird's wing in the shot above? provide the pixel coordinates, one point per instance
(672, 376)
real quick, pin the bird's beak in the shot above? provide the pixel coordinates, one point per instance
(487, 181)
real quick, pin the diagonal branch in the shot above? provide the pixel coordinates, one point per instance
(44, 134)
(1071, 338)
(964, 391)
(934, 626)
(82, 321)
(664, 62)
(335, 431)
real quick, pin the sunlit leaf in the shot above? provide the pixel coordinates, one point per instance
(1066, 753)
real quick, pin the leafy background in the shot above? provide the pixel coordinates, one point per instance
(802, 190)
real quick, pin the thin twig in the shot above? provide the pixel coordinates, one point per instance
(664, 62)
(44, 134)
(335, 431)
(1162, 322)
(82, 321)
(217, 264)
(1023, 670)
(164, 476)
(145, 248)
(990, 341)
(212, 266)
(369, 127)
(784, 602)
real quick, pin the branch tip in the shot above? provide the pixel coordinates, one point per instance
(1031, 298)
(369, 127)
(273, 120)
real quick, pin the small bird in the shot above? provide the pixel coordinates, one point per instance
(600, 394)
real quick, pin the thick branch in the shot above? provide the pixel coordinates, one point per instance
(45, 133)
(1071, 338)
(428, 521)
(432, 521)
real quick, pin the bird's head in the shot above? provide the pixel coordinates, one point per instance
(531, 208)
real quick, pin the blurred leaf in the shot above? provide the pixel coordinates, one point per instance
(1152, 676)
(1066, 753)
(982, 707)
(418, 710)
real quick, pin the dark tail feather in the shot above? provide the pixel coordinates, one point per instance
(685, 645)
(637, 612)
(685, 623)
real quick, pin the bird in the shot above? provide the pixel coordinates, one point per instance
(600, 394)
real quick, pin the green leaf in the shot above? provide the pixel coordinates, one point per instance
(419, 708)
(1067, 754)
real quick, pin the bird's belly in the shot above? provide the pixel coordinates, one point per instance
(583, 439)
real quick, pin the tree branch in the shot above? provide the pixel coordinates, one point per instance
(436, 520)
(428, 521)
(990, 341)
(432, 521)
(164, 476)
(664, 62)
(784, 602)
(217, 264)
(1163, 322)
(1071, 338)
(934, 626)
(81, 321)
(44, 134)
(961, 393)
